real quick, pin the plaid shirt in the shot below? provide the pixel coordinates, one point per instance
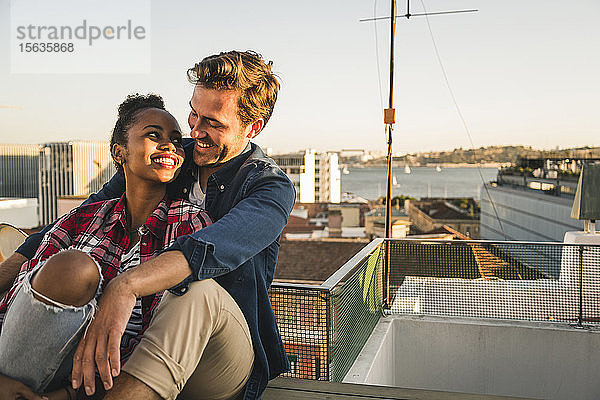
(100, 230)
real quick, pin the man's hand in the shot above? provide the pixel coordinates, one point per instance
(100, 346)
(11, 389)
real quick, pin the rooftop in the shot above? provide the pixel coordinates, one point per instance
(445, 319)
(313, 260)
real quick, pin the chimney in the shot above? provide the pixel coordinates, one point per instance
(335, 223)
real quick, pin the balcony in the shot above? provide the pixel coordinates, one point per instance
(434, 319)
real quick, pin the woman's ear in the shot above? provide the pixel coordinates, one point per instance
(118, 153)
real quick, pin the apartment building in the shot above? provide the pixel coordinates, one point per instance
(316, 176)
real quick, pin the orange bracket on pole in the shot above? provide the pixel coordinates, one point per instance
(389, 116)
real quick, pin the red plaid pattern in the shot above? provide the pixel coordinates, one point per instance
(100, 230)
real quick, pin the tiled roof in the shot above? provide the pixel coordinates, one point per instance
(439, 210)
(314, 260)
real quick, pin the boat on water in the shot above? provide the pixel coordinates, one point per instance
(395, 181)
(438, 169)
(406, 169)
(345, 171)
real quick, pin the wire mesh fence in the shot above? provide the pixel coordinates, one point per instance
(355, 308)
(301, 314)
(506, 280)
(324, 327)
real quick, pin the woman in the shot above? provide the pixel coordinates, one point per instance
(55, 294)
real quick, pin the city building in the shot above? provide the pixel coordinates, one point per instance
(19, 170)
(76, 168)
(353, 214)
(46, 172)
(375, 223)
(359, 155)
(429, 214)
(316, 176)
(531, 201)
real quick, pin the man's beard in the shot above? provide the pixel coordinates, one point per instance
(222, 155)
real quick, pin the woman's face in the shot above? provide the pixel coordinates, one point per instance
(154, 147)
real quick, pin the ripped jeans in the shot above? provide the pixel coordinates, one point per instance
(38, 340)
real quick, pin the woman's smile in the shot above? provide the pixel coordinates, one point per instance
(169, 161)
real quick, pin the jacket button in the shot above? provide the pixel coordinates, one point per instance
(222, 187)
(184, 190)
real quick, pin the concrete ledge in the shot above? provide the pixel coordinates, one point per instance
(300, 389)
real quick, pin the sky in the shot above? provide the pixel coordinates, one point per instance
(522, 73)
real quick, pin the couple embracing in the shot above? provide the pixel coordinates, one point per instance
(157, 286)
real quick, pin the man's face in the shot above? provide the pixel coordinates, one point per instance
(216, 126)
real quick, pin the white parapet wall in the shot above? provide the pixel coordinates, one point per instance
(482, 356)
(21, 213)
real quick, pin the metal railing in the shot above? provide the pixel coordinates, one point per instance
(325, 326)
(532, 281)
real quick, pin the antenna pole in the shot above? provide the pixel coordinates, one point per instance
(389, 119)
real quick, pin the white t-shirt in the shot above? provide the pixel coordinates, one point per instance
(197, 196)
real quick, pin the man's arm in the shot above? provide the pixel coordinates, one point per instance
(111, 190)
(249, 227)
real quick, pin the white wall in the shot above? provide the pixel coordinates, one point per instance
(526, 215)
(307, 178)
(20, 213)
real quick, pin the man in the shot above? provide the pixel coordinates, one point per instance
(217, 277)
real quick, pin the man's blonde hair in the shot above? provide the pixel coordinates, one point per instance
(245, 72)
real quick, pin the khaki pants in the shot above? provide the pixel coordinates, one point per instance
(197, 344)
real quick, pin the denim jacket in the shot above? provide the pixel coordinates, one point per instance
(249, 200)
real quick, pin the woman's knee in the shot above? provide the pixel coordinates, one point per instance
(70, 277)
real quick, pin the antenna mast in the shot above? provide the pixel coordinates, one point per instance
(389, 118)
(389, 115)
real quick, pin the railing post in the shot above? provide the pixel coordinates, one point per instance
(328, 334)
(580, 318)
(386, 274)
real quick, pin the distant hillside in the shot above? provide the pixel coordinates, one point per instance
(491, 154)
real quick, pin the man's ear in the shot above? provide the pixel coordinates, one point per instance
(255, 128)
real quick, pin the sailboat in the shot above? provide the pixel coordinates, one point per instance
(345, 171)
(395, 181)
(438, 169)
(406, 169)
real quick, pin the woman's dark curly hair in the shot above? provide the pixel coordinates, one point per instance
(128, 112)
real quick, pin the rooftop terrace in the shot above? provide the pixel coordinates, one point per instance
(433, 319)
